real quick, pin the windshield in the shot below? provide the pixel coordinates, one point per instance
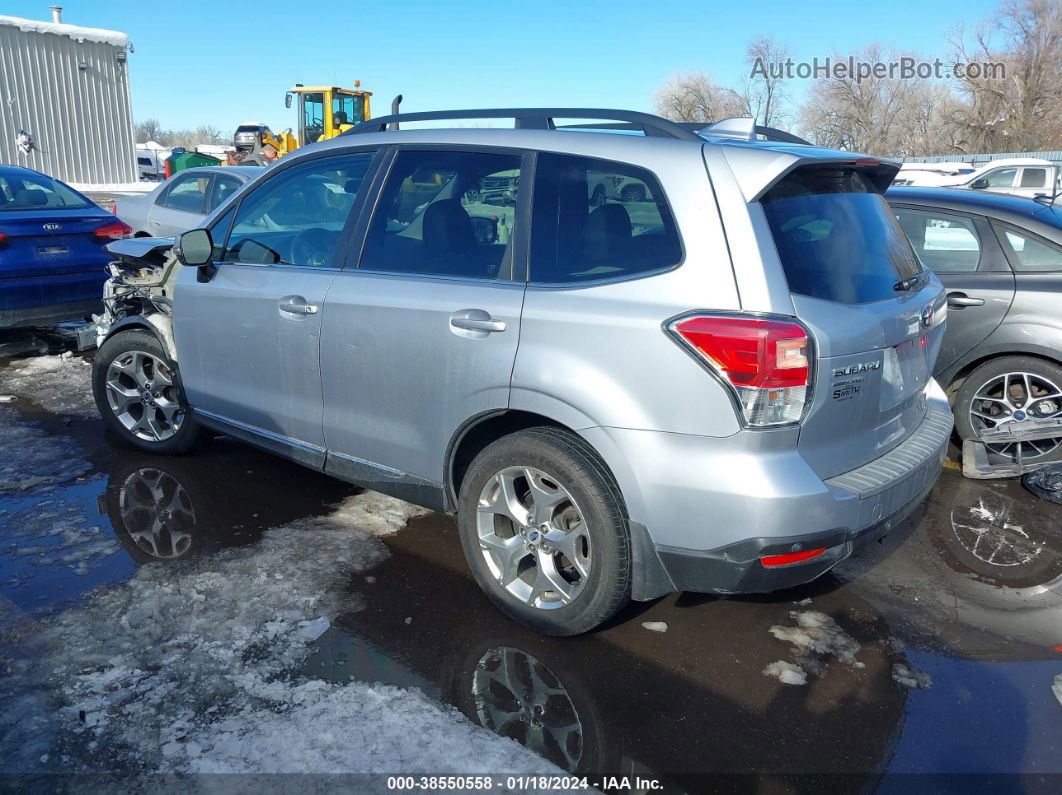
(35, 192)
(836, 236)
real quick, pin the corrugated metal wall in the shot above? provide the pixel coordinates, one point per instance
(981, 159)
(80, 119)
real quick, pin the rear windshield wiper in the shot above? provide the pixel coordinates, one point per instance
(911, 282)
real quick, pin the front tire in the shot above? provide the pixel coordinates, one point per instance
(139, 396)
(544, 530)
(1004, 392)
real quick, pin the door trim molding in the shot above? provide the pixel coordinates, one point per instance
(301, 452)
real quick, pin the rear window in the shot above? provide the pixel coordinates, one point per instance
(596, 219)
(836, 236)
(36, 191)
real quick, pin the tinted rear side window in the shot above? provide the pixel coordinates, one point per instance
(836, 237)
(596, 219)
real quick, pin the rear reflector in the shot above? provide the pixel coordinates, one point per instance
(791, 557)
(115, 230)
(3, 239)
(766, 362)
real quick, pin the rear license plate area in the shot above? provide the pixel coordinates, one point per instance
(51, 251)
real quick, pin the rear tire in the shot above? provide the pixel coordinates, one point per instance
(982, 396)
(139, 396)
(544, 530)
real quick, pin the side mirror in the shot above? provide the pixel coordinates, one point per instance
(979, 184)
(485, 230)
(194, 248)
(287, 100)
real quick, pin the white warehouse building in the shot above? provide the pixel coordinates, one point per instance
(65, 107)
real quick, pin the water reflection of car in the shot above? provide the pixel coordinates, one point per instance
(169, 509)
(673, 707)
(982, 573)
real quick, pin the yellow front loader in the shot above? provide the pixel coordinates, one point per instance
(323, 112)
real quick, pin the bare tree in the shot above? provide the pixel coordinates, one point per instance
(695, 97)
(762, 94)
(148, 130)
(1022, 111)
(879, 115)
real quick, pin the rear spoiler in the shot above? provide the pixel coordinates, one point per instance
(759, 166)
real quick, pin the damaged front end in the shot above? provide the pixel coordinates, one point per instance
(141, 284)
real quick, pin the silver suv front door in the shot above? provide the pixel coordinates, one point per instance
(248, 340)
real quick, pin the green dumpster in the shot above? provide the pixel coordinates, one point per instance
(178, 161)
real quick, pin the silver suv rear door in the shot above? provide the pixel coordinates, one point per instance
(420, 331)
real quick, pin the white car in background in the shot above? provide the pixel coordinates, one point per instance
(1021, 176)
(183, 201)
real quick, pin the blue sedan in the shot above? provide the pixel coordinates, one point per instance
(52, 260)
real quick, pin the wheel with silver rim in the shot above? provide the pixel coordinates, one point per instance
(139, 396)
(533, 537)
(1012, 393)
(157, 513)
(544, 531)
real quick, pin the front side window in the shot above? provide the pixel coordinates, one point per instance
(1003, 178)
(312, 117)
(596, 219)
(187, 193)
(1028, 252)
(296, 217)
(447, 214)
(836, 237)
(946, 243)
(1034, 177)
(32, 191)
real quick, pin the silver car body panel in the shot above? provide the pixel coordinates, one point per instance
(377, 384)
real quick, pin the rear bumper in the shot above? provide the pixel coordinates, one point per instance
(711, 508)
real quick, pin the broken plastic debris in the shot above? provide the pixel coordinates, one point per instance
(908, 677)
(312, 630)
(655, 626)
(787, 673)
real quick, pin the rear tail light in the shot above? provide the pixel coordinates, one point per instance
(767, 363)
(791, 557)
(115, 230)
(3, 239)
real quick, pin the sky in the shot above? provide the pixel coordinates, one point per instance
(223, 63)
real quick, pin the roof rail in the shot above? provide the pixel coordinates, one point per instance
(541, 119)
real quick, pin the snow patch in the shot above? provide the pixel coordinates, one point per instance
(375, 513)
(59, 384)
(75, 32)
(655, 626)
(909, 677)
(815, 639)
(6, 398)
(198, 666)
(787, 673)
(1056, 688)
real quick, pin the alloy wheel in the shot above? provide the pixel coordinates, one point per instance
(157, 513)
(1014, 398)
(533, 537)
(143, 397)
(518, 696)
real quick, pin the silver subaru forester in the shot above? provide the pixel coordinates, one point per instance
(717, 382)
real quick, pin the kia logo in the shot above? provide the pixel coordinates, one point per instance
(52, 227)
(927, 316)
